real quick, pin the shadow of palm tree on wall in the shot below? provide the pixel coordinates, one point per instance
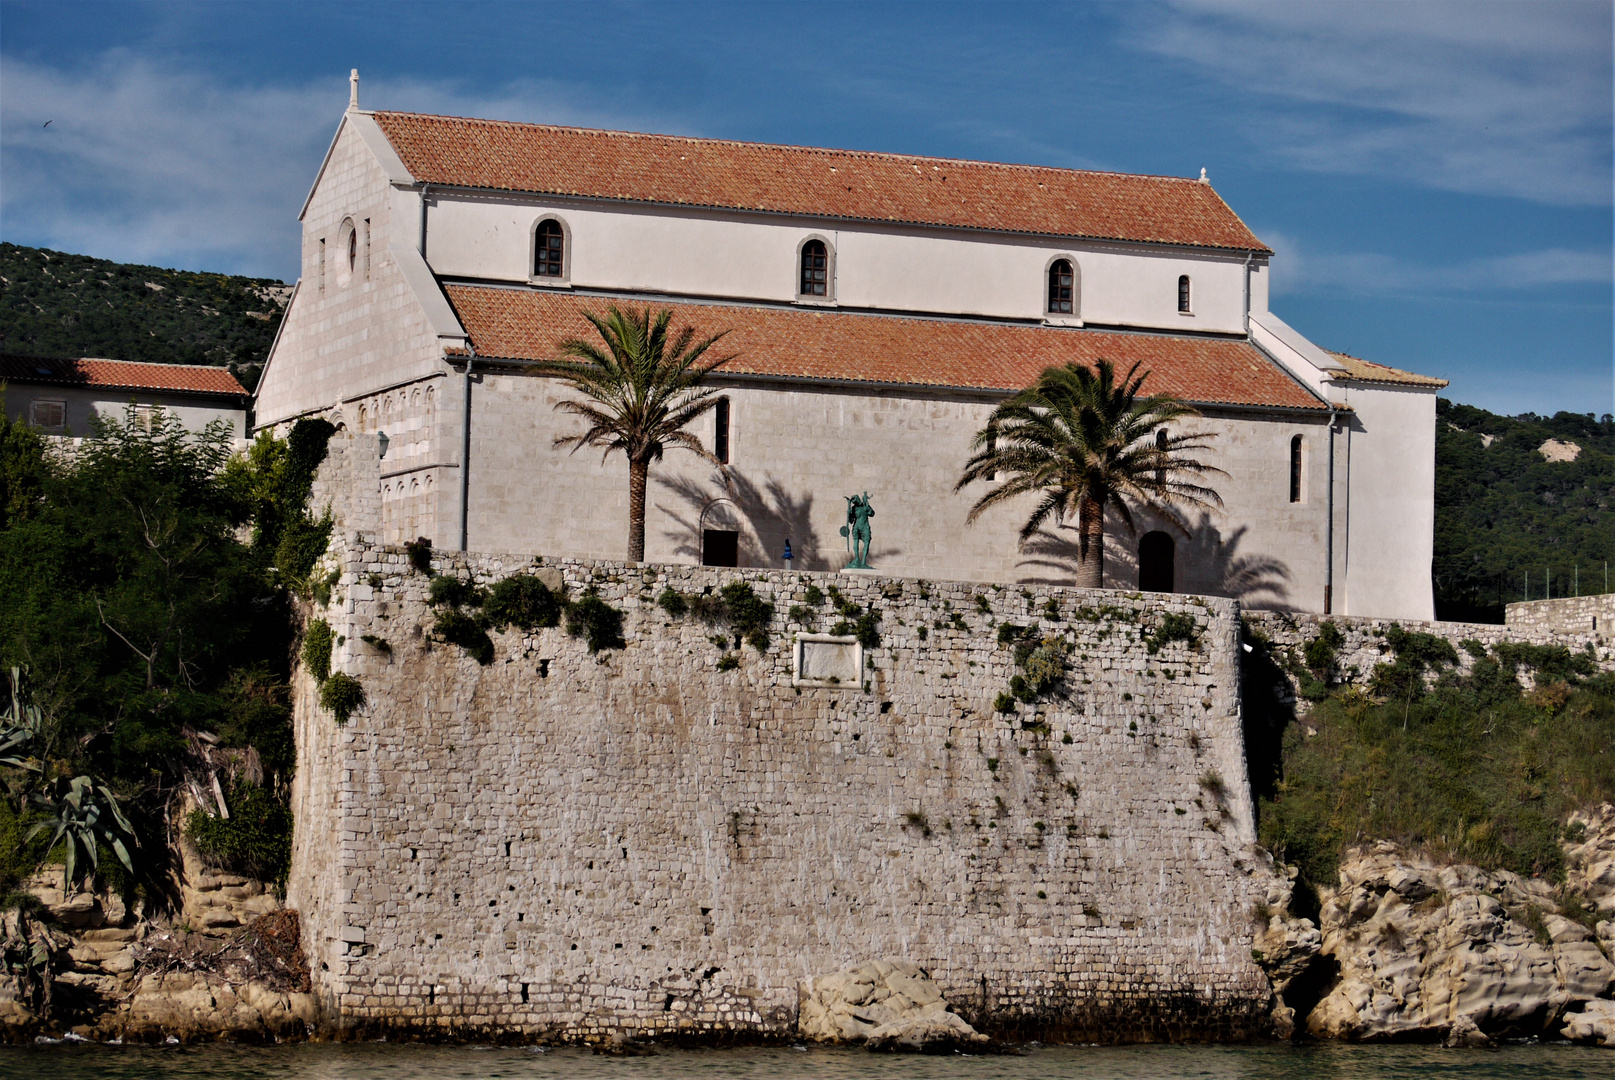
(770, 512)
(1256, 581)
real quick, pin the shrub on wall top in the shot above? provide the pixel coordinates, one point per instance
(523, 601)
(596, 621)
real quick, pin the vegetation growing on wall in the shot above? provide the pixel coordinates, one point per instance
(1471, 767)
(56, 304)
(256, 839)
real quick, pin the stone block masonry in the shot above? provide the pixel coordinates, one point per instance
(1584, 616)
(566, 846)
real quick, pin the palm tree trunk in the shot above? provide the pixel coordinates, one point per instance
(638, 471)
(1091, 553)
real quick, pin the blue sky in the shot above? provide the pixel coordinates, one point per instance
(1436, 178)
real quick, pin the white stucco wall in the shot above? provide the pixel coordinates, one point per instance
(1390, 452)
(694, 253)
(85, 403)
(796, 452)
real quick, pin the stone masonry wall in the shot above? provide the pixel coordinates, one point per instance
(1584, 616)
(562, 845)
(1365, 647)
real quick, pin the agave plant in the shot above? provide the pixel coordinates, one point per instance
(86, 814)
(19, 727)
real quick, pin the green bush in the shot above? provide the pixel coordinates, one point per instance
(317, 644)
(673, 602)
(749, 614)
(596, 621)
(523, 601)
(255, 840)
(866, 630)
(1004, 703)
(814, 595)
(1416, 653)
(342, 695)
(420, 555)
(1173, 627)
(1322, 650)
(1045, 665)
(454, 592)
(454, 627)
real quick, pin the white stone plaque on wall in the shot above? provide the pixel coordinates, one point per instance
(827, 660)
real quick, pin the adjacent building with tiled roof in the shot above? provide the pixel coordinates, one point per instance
(877, 307)
(63, 395)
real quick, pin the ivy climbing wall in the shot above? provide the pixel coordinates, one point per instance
(1038, 794)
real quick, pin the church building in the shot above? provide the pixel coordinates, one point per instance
(880, 305)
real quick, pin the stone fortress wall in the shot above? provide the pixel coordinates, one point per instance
(1576, 616)
(568, 845)
(1364, 645)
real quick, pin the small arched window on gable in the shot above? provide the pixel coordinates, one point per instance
(1183, 294)
(353, 250)
(549, 249)
(1295, 469)
(815, 280)
(1062, 294)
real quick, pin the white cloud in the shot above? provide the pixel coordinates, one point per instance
(1299, 270)
(1490, 98)
(143, 163)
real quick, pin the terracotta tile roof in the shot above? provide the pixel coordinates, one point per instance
(821, 183)
(119, 375)
(523, 324)
(1358, 370)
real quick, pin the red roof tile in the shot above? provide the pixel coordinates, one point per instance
(119, 375)
(522, 324)
(818, 183)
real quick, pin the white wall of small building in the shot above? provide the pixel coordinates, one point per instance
(907, 268)
(84, 404)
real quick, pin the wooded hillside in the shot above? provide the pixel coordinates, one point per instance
(56, 304)
(1505, 511)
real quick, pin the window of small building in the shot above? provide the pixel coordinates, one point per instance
(815, 269)
(49, 413)
(549, 249)
(1183, 294)
(1061, 292)
(720, 431)
(1295, 469)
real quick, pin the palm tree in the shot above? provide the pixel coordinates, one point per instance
(639, 394)
(1086, 442)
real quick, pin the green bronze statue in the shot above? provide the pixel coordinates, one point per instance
(856, 530)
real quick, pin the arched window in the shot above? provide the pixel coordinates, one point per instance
(1157, 556)
(1183, 293)
(815, 269)
(549, 249)
(353, 250)
(720, 430)
(1295, 469)
(1061, 293)
(1160, 446)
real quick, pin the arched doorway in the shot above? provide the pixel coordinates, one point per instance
(1157, 556)
(720, 534)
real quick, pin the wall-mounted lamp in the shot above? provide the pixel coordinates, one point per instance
(787, 556)
(381, 440)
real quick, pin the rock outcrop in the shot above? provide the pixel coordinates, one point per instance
(218, 969)
(886, 1005)
(1450, 952)
(1286, 947)
(1594, 1024)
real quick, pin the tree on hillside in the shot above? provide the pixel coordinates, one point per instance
(1083, 442)
(640, 391)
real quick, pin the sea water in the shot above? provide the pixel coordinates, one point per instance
(381, 1061)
